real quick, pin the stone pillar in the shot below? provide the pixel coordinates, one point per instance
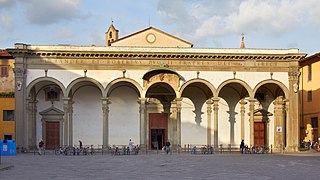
(278, 124)
(251, 106)
(105, 121)
(242, 113)
(293, 124)
(216, 120)
(66, 122)
(209, 103)
(32, 129)
(143, 122)
(21, 120)
(178, 106)
(174, 123)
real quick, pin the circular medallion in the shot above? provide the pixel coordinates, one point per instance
(151, 38)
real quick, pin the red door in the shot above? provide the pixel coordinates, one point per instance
(259, 133)
(52, 135)
(158, 129)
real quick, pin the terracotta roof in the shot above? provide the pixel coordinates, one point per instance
(4, 53)
(310, 57)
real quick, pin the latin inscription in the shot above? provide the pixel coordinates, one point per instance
(155, 62)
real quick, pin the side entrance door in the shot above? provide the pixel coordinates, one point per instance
(158, 130)
(259, 134)
(52, 134)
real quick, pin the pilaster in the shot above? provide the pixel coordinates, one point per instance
(294, 129)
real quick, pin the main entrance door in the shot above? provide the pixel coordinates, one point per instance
(52, 134)
(158, 130)
(259, 133)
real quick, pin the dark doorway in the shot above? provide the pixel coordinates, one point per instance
(52, 135)
(158, 126)
(157, 138)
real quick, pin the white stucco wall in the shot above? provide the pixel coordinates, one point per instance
(124, 118)
(87, 116)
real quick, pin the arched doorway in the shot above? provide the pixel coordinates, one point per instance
(159, 107)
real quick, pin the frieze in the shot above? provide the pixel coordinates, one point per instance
(116, 62)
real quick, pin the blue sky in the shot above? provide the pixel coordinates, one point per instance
(272, 24)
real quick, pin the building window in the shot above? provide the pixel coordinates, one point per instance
(309, 96)
(7, 137)
(314, 122)
(4, 71)
(309, 72)
(8, 115)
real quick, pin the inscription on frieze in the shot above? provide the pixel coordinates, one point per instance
(157, 62)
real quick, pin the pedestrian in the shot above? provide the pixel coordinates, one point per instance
(168, 146)
(80, 144)
(130, 146)
(242, 146)
(41, 146)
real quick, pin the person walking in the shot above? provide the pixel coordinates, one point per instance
(242, 146)
(168, 146)
(41, 146)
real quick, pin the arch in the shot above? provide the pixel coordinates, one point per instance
(84, 79)
(128, 80)
(153, 72)
(272, 81)
(41, 79)
(238, 81)
(177, 94)
(207, 83)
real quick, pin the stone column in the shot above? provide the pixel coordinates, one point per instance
(294, 128)
(209, 103)
(174, 123)
(105, 121)
(251, 106)
(143, 122)
(216, 120)
(242, 113)
(66, 122)
(278, 124)
(178, 106)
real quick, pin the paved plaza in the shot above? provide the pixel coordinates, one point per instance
(162, 166)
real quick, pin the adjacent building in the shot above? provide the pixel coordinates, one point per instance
(7, 122)
(310, 98)
(150, 87)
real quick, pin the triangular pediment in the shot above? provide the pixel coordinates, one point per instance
(52, 111)
(151, 37)
(262, 112)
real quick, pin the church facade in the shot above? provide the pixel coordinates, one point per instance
(152, 87)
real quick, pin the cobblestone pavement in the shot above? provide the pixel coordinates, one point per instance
(161, 166)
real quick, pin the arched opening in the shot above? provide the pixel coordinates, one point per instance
(160, 97)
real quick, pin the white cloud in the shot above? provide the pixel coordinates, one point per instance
(6, 3)
(46, 12)
(6, 22)
(205, 18)
(63, 33)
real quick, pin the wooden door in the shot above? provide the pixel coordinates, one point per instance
(158, 126)
(52, 135)
(259, 133)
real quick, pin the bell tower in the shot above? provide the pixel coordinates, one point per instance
(111, 35)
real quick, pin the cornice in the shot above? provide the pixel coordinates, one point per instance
(155, 55)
